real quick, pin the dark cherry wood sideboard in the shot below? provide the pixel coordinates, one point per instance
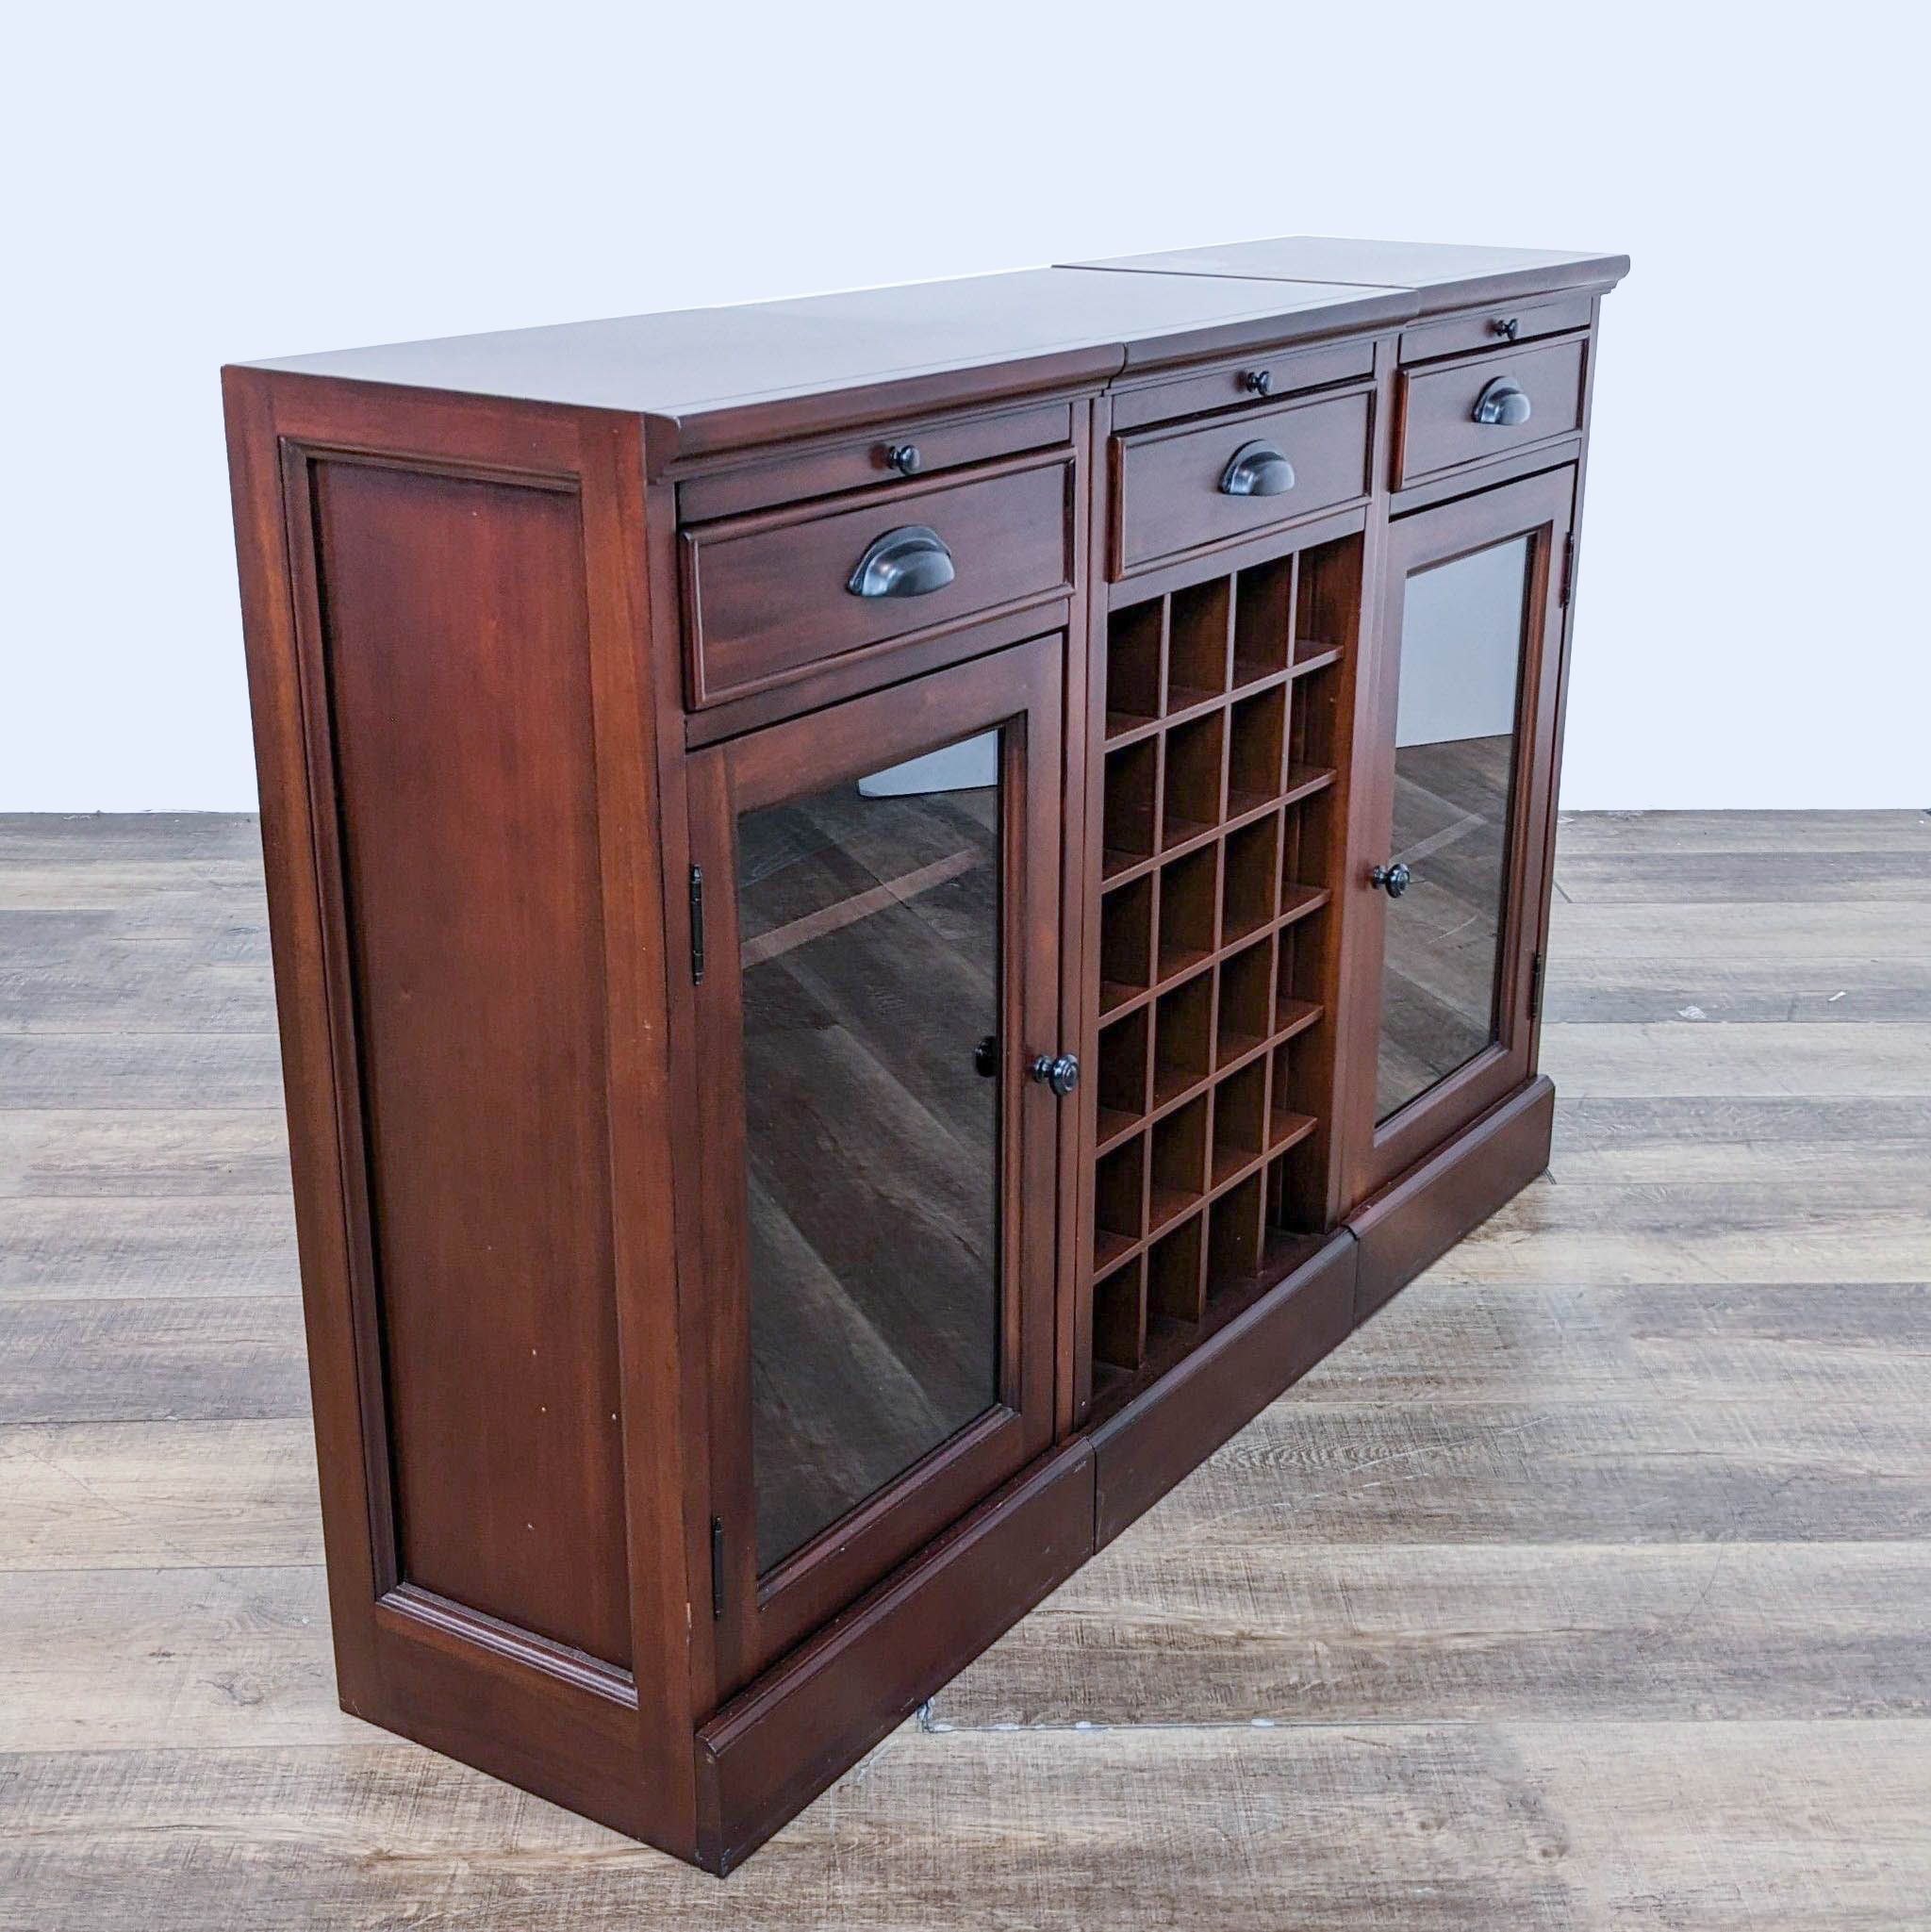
(890, 912)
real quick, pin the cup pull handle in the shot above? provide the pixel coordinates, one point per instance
(908, 562)
(1257, 470)
(1503, 402)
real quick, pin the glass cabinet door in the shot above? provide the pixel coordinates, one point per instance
(1462, 644)
(880, 909)
(868, 948)
(1461, 735)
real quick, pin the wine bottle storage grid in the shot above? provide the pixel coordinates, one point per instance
(1222, 721)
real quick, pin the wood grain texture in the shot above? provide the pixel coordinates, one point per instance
(81, 1495)
(1436, 1828)
(453, 618)
(104, 1358)
(1885, 1061)
(768, 594)
(83, 1245)
(1695, 836)
(138, 1070)
(1311, 1633)
(1583, 1589)
(195, 1656)
(98, 1153)
(714, 379)
(1429, 267)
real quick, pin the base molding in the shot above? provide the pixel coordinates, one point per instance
(776, 1745)
(1172, 1427)
(1417, 1219)
(576, 1746)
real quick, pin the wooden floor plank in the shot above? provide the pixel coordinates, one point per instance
(95, 1151)
(1714, 1235)
(136, 985)
(1633, 1470)
(85, 839)
(78, 1495)
(1718, 1137)
(1699, 935)
(166, 1659)
(199, 1358)
(225, 887)
(1866, 1170)
(1883, 1062)
(1693, 833)
(1803, 1828)
(1447, 1343)
(135, 1071)
(199, 926)
(1303, 1633)
(1402, 1827)
(1710, 877)
(1832, 992)
(69, 1246)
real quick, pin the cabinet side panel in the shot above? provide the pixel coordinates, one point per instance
(454, 645)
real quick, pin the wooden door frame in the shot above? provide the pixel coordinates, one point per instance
(1541, 508)
(1017, 690)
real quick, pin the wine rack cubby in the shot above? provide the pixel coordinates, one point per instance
(1225, 704)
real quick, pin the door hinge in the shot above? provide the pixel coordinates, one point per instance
(717, 1568)
(697, 925)
(1568, 569)
(1535, 987)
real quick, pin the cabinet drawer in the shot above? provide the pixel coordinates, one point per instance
(1440, 408)
(1521, 322)
(1173, 484)
(948, 443)
(767, 597)
(1232, 385)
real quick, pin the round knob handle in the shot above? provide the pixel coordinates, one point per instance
(1393, 879)
(1059, 1071)
(1257, 381)
(1507, 326)
(904, 459)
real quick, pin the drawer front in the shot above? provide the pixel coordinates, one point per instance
(927, 447)
(1237, 383)
(1456, 335)
(1171, 484)
(1441, 408)
(767, 598)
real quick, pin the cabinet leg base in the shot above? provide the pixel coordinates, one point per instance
(771, 1751)
(1415, 1220)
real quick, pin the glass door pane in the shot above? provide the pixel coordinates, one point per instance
(870, 922)
(1463, 634)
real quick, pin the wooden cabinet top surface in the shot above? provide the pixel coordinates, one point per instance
(1437, 274)
(720, 378)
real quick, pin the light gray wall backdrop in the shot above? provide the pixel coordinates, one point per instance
(196, 184)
